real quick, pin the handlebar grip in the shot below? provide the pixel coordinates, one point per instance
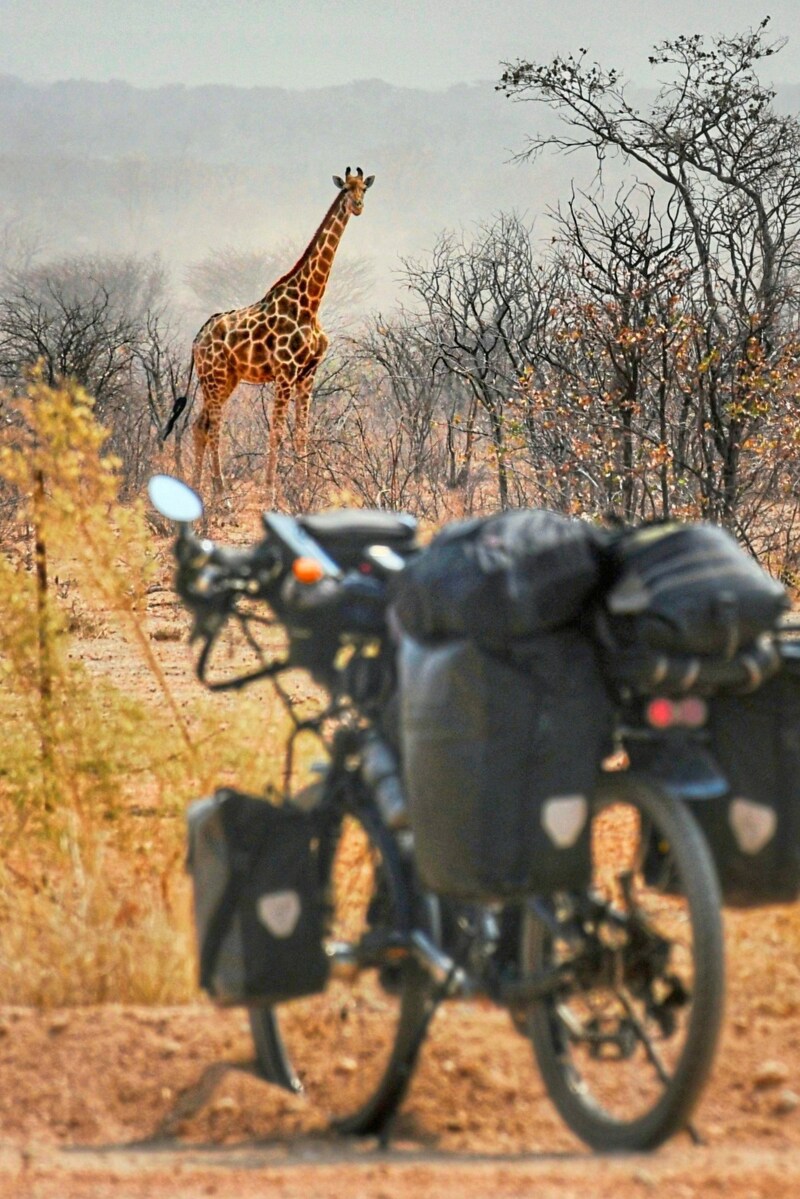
(234, 561)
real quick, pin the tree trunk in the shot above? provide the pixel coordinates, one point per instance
(45, 680)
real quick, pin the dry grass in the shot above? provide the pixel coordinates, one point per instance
(95, 902)
(101, 751)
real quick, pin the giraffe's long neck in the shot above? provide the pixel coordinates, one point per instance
(312, 270)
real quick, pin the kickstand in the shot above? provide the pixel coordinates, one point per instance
(694, 1134)
(386, 1131)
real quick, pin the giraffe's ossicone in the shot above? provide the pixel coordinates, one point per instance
(277, 340)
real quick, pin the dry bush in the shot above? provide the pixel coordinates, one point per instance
(362, 452)
(96, 769)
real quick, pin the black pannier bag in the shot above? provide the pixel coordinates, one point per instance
(754, 832)
(257, 899)
(500, 759)
(499, 577)
(688, 590)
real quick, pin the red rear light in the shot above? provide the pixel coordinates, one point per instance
(660, 713)
(689, 713)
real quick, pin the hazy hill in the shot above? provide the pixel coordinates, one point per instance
(182, 171)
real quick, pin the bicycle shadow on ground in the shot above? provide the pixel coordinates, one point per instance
(300, 1135)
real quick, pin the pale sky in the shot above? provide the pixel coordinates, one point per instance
(319, 43)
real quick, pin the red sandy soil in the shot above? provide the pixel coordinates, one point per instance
(146, 1102)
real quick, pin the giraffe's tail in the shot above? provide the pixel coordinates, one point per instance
(178, 406)
(177, 409)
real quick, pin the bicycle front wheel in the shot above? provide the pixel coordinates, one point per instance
(351, 1049)
(626, 1043)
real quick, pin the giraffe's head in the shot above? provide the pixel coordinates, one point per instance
(354, 186)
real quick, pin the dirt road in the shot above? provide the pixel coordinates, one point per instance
(143, 1103)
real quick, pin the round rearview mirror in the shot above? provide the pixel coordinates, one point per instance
(174, 499)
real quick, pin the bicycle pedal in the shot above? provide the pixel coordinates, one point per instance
(344, 962)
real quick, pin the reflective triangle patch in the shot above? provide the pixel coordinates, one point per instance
(564, 818)
(753, 824)
(279, 912)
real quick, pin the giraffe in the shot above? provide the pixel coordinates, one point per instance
(277, 340)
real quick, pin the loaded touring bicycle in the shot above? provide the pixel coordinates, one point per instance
(535, 789)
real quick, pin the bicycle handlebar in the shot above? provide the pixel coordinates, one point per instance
(208, 573)
(211, 579)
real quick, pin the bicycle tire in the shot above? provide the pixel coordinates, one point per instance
(609, 1102)
(367, 1030)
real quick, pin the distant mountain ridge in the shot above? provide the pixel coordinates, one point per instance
(216, 123)
(183, 170)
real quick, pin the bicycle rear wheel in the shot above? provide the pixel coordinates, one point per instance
(351, 1049)
(625, 1045)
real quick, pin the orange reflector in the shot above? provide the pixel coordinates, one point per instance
(307, 570)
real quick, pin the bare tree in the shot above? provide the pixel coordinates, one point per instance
(399, 363)
(484, 304)
(98, 321)
(232, 277)
(729, 164)
(81, 317)
(20, 246)
(158, 372)
(605, 395)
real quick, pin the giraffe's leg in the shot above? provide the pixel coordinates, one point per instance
(280, 407)
(214, 423)
(206, 436)
(302, 401)
(199, 436)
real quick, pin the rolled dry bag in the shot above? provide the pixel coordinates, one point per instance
(754, 833)
(689, 590)
(505, 576)
(257, 899)
(500, 758)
